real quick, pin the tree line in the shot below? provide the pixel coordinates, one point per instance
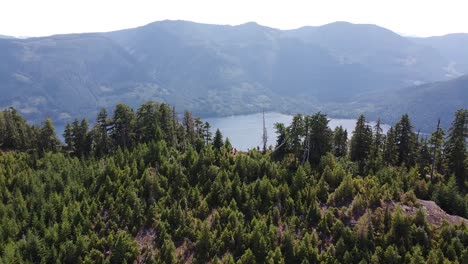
(308, 138)
(143, 186)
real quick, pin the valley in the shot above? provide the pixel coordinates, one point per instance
(214, 70)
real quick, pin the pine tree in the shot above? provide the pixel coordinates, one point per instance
(424, 157)
(390, 147)
(320, 138)
(123, 126)
(275, 257)
(206, 133)
(361, 140)
(296, 134)
(189, 126)
(203, 245)
(11, 136)
(102, 141)
(436, 148)
(168, 252)
(48, 140)
(68, 137)
(17, 133)
(167, 124)
(124, 248)
(456, 146)
(2, 129)
(218, 140)
(83, 138)
(78, 138)
(282, 146)
(405, 141)
(147, 121)
(361, 143)
(391, 255)
(340, 141)
(379, 137)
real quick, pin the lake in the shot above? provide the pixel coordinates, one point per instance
(245, 131)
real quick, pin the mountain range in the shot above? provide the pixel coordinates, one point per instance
(5, 36)
(342, 69)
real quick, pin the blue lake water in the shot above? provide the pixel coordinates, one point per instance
(245, 131)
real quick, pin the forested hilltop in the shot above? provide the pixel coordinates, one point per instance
(144, 187)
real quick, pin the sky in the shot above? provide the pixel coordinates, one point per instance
(407, 17)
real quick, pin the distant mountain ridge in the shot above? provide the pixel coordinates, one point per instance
(424, 103)
(6, 37)
(222, 70)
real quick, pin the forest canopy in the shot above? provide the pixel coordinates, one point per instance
(149, 186)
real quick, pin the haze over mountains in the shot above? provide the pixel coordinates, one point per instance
(4, 36)
(342, 69)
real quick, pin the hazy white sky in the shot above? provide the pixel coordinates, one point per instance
(411, 17)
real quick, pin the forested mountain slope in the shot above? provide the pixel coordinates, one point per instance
(452, 47)
(216, 69)
(426, 103)
(142, 186)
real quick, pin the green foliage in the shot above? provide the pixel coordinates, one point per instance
(167, 254)
(405, 142)
(218, 140)
(137, 193)
(361, 142)
(340, 142)
(123, 248)
(456, 147)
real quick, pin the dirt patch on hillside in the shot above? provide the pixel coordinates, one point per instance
(144, 239)
(186, 252)
(436, 216)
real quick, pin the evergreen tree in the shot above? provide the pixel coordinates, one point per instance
(203, 245)
(189, 126)
(275, 257)
(16, 132)
(247, 258)
(405, 140)
(424, 157)
(391, 256)
(206, 133)
(390, 147)
(199, 125)
(320, 139)
(123, 126)
(282, 146)
(48, 140)
(11, 137)
(68, 137)
(379, 137)
(80, 138)
(167, 124)
(228, 145)
(340, 141)
(218, 140)
(124, 248)
(296, 133)
(436, 149)
(2, 129)
(168, 252)
(147, 121)
(101, 138)
(456, 146)
(361, 140)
